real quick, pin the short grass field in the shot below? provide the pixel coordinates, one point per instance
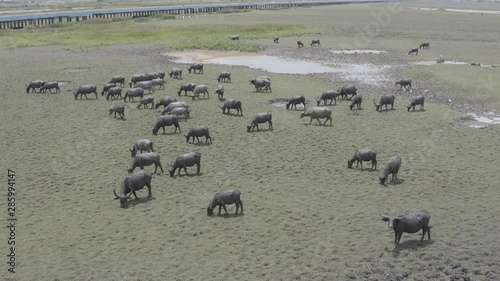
(306, 215)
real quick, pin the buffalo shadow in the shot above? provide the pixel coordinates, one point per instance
(410, 244)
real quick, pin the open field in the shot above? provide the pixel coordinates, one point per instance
(306, 215)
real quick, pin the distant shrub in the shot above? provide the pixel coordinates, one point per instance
(120, 19)
(165, 16)
(440, 59)
(142, 19)
(230, 11)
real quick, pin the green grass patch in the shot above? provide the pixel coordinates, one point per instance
(104, 32)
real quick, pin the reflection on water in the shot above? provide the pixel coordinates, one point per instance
(274, 64)
(368, 73)
(356, 52)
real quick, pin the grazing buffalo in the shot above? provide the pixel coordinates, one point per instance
(232, 104)
(300, 99)
(276, 39)
(262, 117)
(176, 73)
(328, 95)
(35, 84)
(186, 87)
(405, 84)
(315, 42)
(235, 38)
(409, 223)
(317, 113)
(385, 100)
(117, 80)
(356, 102)
(84, 90)
(49, 86)
(260, 83)
(195, 67)
(347, 90)
(300, 44)
(418, 100)
(424, 45)
(224, 77)
(186, 160)
(413, 51)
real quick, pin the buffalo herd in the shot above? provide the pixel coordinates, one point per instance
(174, 111)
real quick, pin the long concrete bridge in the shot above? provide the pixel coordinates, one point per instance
(20, 21)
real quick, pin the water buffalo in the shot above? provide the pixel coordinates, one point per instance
(424, 45)
(262, 117)
(413, 51)
(166, 120)
(223, 198)
(145, 85)
(176, 73)
(276, 39)
(317, 113)
(117, 108)
(107, 87)
(235, 38)
(328, 95)
(232, 104)
(391, 168)
(200, 89)
(220, 91)
(33, 85)
(418, 100)
(114, 93)
(195, 67)
(49, 86)
(132, 93)
(356, 101)
(197, 132)
(186, 160)
(145, 101)
(299, 99)
(136, 78)
(348, 90)
(385, 100)
(132, 183)
(117, 80)
(224, 77)
(158, 82)
(409, 223)
(260, 83)
(186, 87)
(84, 90)
(141, 145)
(361, 155)
(145, 159)
(300, 44)
(167, 109)
(405, 84)
(165, 101)
(315, 42)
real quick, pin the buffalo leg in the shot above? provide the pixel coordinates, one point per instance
(135, 195)
(225, 210)
(220, 207)
(198, 167)
(424, 230)
(161, 168)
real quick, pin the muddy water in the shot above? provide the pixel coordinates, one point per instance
(350, 52)
(364, 72)
(274, 64)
